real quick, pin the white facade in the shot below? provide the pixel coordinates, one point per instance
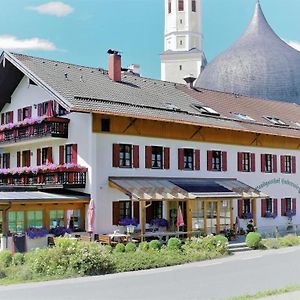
(183, 51)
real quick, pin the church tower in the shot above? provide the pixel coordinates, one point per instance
(183, 54)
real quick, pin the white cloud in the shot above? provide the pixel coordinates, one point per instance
(58, 9)
(294, 44)
(9, 42)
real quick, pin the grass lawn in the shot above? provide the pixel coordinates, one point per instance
(259, 295)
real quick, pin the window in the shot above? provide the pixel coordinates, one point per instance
(188, 159)
(61, 110)
(157, 157)
(74, 219)
(180, 43)
(44, 156)
(35, 219)
(193, 5)
(243, 117)
(180, 67)
(245, 209)
(247, 206)
(216, 160)
(206, 110)
(169, 6)
(269, 207)
(125, 209)
(288, 164)
(288, 207)
(7, 117)
(68, 154)
(16, 222)
(246, 162)
(105, 125)
(180, 5)
(268, 163)
(44, 108)
(26, 112)
(26, 158)
(125, 156)
(6, 160)
(57, 218)
(157, 209)
(288, 204)
(276, 121)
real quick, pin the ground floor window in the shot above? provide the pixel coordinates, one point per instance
(16, 221)
(35, 219)
(57, 218)
(125, 209)
(74, 220)
(198, 215)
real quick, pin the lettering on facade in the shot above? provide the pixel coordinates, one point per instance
(266, 184)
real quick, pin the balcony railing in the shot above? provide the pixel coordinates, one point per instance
(72, 177)
(53, 127)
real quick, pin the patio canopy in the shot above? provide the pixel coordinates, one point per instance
(42, 197)
(142, 188)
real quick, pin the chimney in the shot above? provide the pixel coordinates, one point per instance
(189, 79)
(114, 65)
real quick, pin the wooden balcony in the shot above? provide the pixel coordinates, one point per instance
(49, 179)
(50, 127)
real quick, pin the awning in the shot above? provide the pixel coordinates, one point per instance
(142, 188)
(41, 197)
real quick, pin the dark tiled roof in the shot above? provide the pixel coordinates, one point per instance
(90, 89)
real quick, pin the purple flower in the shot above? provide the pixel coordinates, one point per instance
(34, 233)
(60, 231)
(128, 221)
(160, 222)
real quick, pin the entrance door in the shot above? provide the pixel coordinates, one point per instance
(212, 217)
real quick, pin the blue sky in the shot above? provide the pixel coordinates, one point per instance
(81, 31)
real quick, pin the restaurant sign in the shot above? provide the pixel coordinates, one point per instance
(266, 184)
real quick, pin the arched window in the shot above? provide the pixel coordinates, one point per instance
(180, 5)
(169, 6)
(194, 5)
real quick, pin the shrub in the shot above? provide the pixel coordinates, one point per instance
(289, 240)
(19, 272)
(18, 259)
(120, 248)
(5, 258)
(174, 244)
(109, 248)
(130, 247)
(154, 245)
(143, 246)
(2, 273)
(253, 240)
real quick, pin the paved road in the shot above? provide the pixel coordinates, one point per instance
(219, 279)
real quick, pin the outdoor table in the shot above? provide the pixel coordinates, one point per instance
(119, 237)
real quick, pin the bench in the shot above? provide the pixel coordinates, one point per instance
(105, 240)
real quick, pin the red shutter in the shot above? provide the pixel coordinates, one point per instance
(115, 213)
(282, 157)
(274, 163)
(293, 164)
(224, 161)
(294, 207)
(283, 207)
(29, 111)
(136, 156)
(19, 114)
(39, 110)
(240, 208)
(209, 160)
(275, 207)
(18, 159)
(38, 157)
(11, 116)
(167, 158)
(180, 159)
(49, 159)
(148, 157)
(61, 155)
(116, 155)
(263, 162)
(197, 159)
(252, 162)
(2, 118)
(263, 207)
(74, 154)
(240, 161)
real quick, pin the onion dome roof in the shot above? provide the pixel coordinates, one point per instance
(260, 64)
